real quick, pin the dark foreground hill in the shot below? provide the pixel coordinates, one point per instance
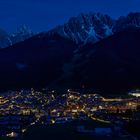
(113, 64)
(35, 62)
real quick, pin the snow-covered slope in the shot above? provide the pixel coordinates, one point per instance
(131, 20)
(86, 28)
(92, 27)
(83, 29)
(21, 34)
(4, 39)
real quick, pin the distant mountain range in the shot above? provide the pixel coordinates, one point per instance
(90, 51)
(21, 34)
(92, 27)
(83, 29)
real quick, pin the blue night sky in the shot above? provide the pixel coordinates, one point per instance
(41, 15)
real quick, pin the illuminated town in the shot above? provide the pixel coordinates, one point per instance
(22, 109)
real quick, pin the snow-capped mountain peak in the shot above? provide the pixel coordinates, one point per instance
(7, 39)
(83, 29)
(92, 27)
(131, 20)
(86, 27)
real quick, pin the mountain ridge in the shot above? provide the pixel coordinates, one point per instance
(93, 27)
(82, 29)
(52, 60)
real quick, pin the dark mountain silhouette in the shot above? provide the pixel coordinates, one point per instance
(50, 59)
(34, 62)
(7, 39)
(111, 65)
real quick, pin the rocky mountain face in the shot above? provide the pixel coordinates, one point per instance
(21, 34)
(86, 28)
(4, 39)
(83, 29)
(109, 59)
(93, 27)
(131, 20)
(111, 65)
